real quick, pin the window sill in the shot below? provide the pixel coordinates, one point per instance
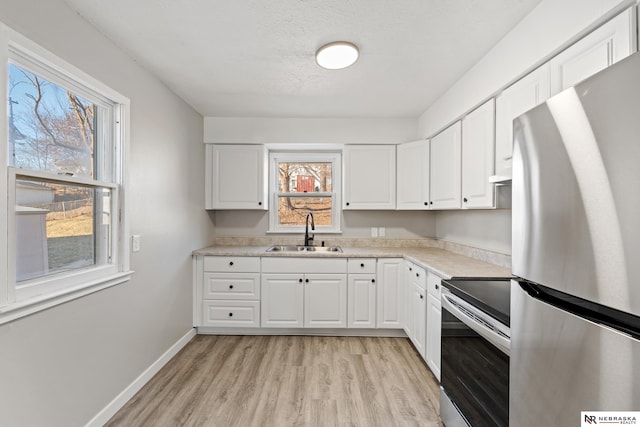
(33, 305)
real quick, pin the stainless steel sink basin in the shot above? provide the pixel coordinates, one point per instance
(300, 248)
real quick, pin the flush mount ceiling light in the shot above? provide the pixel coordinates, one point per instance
(337, 55)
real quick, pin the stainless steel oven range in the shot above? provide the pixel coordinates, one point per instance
(475, 353)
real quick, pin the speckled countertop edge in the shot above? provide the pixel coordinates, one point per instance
(444, 263)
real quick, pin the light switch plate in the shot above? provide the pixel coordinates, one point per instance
(374, 231)
(381, 231)
(135, 243)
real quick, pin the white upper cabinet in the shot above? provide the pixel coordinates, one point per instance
(235, 177)
(478, 157)
(369, 177)
(523, 95)
(605, 46)
(413, 175)
(445, 168)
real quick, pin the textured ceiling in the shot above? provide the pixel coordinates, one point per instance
(255, 58)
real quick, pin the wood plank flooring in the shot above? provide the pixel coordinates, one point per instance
(288, 381)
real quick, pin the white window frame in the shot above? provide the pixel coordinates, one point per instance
(47, 291)
(306, 156)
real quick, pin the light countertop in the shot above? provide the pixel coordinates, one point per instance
(444, 263)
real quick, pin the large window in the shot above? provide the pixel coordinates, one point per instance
(64, 181)
(303, 182)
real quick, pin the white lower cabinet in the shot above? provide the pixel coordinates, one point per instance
(434, 322)
(361, 296)
(361, 292)
(229, 292)
(416, 306)
(296, 293)
(389, 301)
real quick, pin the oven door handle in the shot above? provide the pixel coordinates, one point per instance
(452, 304)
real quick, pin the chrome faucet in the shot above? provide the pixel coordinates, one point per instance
(308, 239)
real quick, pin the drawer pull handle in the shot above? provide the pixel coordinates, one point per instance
(230, 314)
(437, 286)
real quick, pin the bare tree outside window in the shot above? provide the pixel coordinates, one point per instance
(52, 130)
(304, 187)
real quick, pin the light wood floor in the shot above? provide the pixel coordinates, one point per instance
(288, 381)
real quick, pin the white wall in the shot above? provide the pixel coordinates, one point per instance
(240, 130)
(485, 229)
(60, 367)
(398, 224)
(538, 36)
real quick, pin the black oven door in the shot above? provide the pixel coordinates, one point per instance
(474, 372)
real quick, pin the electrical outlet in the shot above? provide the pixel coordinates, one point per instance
(374, 232)
(381, 231)
(135, 243)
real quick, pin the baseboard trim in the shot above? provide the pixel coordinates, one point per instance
(116, 404)
(327, 332)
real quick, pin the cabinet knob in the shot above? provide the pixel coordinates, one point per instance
(230, 286)
(410, 269)
(300, 280)
(426, 203)
(464, 200)
(417, 274)
(437, 286)
(231, 263)
(362, 265)
(373, 280)
(230, 314)
(430, 203)
(421, 297)
(306, 280)
(259, 203)
(347, 203)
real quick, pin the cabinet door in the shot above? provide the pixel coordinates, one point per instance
(325, 301)
(419, 319)
(369, 177)
(523, 95)
(478, 157)
(235, 177)
(605, 46)
(282, 300)
(408, 298)
(434, 321)
(445, 168)
(412, 187)
(361, 297)
(390, 278)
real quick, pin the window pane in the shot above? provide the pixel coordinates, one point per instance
(50, 128)
(304, 177)
(60, 227)
(292, 211)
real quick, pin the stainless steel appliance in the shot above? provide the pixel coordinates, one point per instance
(475, 353)
(575, 328)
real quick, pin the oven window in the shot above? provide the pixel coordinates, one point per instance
(475, 374)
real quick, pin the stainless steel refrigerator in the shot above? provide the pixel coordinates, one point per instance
(575, 302)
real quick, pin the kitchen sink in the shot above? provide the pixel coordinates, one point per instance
(300, 248)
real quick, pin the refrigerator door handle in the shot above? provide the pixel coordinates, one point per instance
(496, 334)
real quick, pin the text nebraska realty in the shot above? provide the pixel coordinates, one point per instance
(592, 419)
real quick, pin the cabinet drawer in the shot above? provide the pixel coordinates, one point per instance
(433, 285)
(231, 264)
(303, 265)
(361, 265)
(420, 276)
(245, 314)
(231, 286)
